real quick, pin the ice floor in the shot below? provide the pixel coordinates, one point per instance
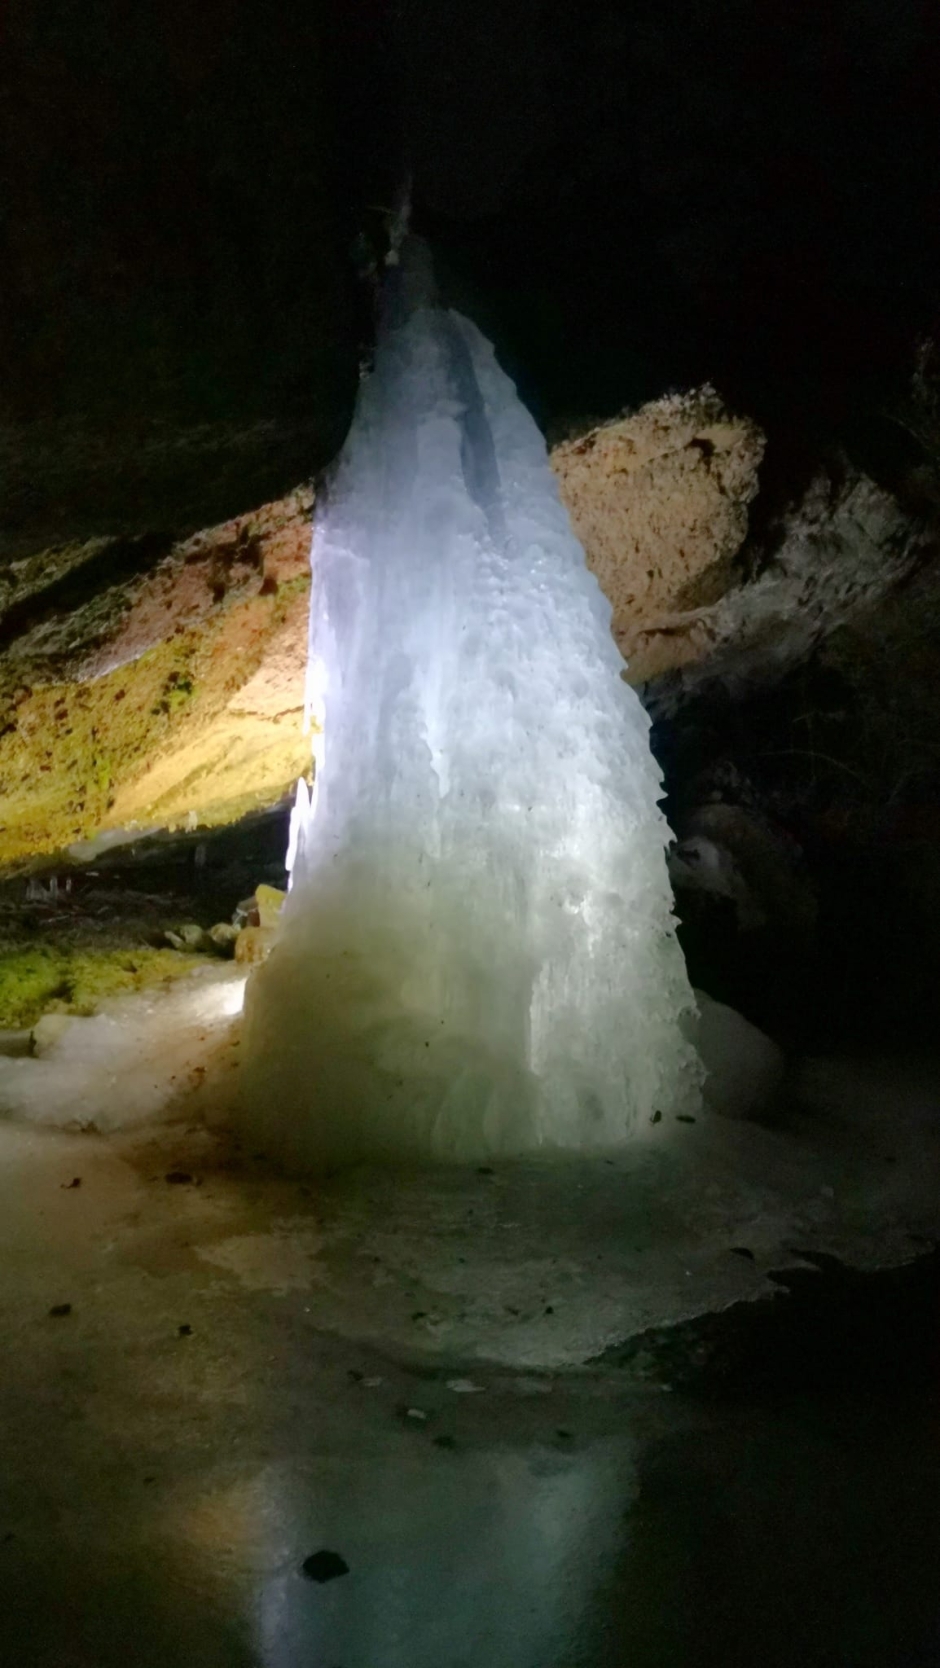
(213, 1371)
(254, 1370)
(526, 1263)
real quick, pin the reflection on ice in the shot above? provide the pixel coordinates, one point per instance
(494, 1556)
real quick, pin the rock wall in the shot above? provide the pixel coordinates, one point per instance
(831, 557)
(660, 502)
(153, 682)
(170, 697)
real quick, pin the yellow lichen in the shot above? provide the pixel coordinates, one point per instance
(47, 979)
(165, 736)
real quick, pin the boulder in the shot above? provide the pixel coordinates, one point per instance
(253, 945)
(270, 902)
(224, 937)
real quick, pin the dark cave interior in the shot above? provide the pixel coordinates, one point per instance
(632, 201)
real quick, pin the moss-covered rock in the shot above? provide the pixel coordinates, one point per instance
(174, 697)
(61, 979)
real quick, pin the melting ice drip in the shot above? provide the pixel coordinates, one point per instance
(478, 953)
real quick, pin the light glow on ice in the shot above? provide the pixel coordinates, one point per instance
(478, 953)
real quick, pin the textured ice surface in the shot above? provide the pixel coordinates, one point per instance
(744, 1069)
(478, 953)
(139, 1057)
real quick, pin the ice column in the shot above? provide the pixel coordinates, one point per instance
(478, 953)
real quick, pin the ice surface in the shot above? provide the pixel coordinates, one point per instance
(139, 1057)
(744, 1069)
(478, 953)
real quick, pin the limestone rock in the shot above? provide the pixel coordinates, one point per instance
(171, 699)
(193, 936)
(270, 902)
(191, 939)
(224, 937)
(660, 502)
(253, 945)
(149, 685)
(831, 558)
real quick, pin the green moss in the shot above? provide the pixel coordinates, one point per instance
(178, 689)
(40, 980)
(288, 590)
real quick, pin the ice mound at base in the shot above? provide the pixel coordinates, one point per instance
(133, 1060)
(744, 1068)
(478, 952)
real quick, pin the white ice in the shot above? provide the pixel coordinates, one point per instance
(478, 954)
(141, 1056)
(744, 1069)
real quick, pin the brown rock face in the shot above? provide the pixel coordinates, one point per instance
(832, 557)
(660, 500)
(175, 696)
(152, 684)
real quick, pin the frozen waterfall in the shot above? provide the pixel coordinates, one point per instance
(478, 954)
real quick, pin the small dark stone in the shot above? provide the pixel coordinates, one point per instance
(355, 1376)
(59, 1309)
(324, 1566)
(657, 1118)
(742, 1251)
(186, 1330)
(420, 1314)
(178, 1178)
(75, 1182)
(485, 1170)
(549, 1308)
(684, 1118)
(150, 1479)
(565, 1436)
(444, 1441)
